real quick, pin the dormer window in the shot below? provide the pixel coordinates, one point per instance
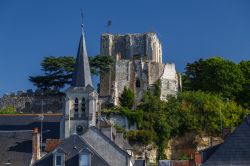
(84, 158)
(76, 105)
(58, 159)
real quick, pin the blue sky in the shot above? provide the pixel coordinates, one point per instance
(188, 30)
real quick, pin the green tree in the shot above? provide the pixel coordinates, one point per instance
(100, 64)
(8, 110)
(57, 71)
(203, 112)
(127, 98)
(159, 119)
(192, 111)
(151, 103)
(214, 75)
(192, 78)
(142, 137)
(222, 76)
(244, 95)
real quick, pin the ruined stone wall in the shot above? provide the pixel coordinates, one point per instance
(139, 76)
(34, 102)
(170, 81)
(138, 66)
(146, 46)
(155, 70)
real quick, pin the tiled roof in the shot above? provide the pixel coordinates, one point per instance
(235, 150)
(16, 148)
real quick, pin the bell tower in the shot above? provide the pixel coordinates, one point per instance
(81, 98)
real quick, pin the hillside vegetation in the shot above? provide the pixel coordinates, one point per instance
(215, 95)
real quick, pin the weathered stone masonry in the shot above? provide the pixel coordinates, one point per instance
(34, 102)
(138, 65)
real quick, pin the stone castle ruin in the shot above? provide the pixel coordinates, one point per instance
(138, 66)
(34, 102)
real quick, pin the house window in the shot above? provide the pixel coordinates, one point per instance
(84, 160)
(76, 105)
(83, 105)
(58, 159)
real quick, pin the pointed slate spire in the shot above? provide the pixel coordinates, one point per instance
(81, 75)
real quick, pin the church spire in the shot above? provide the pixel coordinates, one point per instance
(81, 75)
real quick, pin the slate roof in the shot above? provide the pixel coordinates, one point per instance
(96, 130)
(16, 147)
(71, 147)
(24, 119)
(235, 150)
(81, 75)
(108, 149)
(140, 162)
(51, 123)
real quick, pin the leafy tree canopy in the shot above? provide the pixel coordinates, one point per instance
(219, 76)
(57, 71)
(193, 75)
(205, 112)
(8, 110)
(127, 98)
(244, 95)
(214, 75)
(192, 111)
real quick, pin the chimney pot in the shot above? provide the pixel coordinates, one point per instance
(35, 145)
(35, 131)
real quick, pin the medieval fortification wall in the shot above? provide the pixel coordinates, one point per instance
(34, 102)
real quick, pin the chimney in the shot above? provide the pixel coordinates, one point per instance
(197, 158)
(35, 145)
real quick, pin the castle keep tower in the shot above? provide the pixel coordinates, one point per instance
(81, 98)
(146, 46)
(138, 66)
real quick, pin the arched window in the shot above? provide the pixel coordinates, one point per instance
(76, 105)
(83, 105)
(138, 83)
(27, 105)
